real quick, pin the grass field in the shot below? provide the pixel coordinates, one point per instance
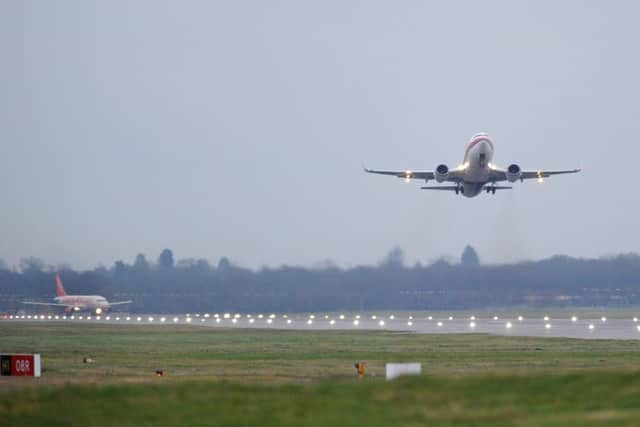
(307, 378)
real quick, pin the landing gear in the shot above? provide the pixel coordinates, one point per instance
(491, 189)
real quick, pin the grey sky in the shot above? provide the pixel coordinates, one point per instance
(239, 128)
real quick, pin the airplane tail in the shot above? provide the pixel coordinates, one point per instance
(59, 288)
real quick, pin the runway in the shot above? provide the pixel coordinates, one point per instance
(619, 328)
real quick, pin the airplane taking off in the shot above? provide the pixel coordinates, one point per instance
(95, 303)
(476, 173)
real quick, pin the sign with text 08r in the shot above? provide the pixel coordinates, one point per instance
(22, 365)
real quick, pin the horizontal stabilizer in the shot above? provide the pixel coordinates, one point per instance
(497, 187)
(440, 187)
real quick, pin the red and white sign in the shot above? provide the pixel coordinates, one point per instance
(20, 365)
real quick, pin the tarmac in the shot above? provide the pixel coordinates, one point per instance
(438, 323)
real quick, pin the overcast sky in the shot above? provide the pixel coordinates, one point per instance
(239, 128)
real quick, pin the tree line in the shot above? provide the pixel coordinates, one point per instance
(195, 285)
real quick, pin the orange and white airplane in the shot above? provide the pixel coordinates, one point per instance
(95, 303)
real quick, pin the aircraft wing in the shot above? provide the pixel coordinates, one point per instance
(501, 175)
(120, 302)
(45, 303)
(405, 174)
(545, 174)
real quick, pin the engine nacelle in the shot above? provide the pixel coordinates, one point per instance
(442, 173)
(513, 173)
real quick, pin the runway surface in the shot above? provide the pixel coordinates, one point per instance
(539, 326)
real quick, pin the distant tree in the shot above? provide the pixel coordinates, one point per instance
(165, 260)
(469, 257)
(203, 265)
(186, 263)
(140, 265)
(3, 265)
(119, 268)
(394, 259)
(224, 264)
(31, 265)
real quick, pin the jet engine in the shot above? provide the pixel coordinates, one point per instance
(442, 173)
(513, 173)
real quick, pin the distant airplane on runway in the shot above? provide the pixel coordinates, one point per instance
(95, 303)
(475, 174)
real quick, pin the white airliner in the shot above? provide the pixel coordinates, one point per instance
(95, 303)
(476, 173)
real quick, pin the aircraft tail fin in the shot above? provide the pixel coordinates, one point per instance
(59, 288)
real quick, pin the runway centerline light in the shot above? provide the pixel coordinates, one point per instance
(638, 327)
(162, 319)
(450, 317)
(128, 318)
(574, 319)
(591, 326)
(252, 320)
(234, 320)
(545, 318)
(269, 321)
(495, 318)
(309, 322)
(603, 319)
(520, 318)
(288, 321)
(439, 324)
(410, 323)
(381, 323)
(108, 318)
(138, 319)
(175, 320)
(392, 317)
(332, 322)
(356, 322)
(357, 316)
(188, 319)
(472, 324)
(150, 319)
(374, 317)
(635, 319)
(218, 320)
(430, 318)
(472, 318)
(341, 317)
(508, 325)
(226, 315)
(547, 326)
